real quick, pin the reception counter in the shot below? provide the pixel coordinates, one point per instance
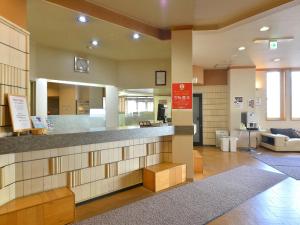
(91, 163)
(79, 137)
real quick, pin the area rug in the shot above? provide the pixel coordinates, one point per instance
(288, 165)
(194, 203)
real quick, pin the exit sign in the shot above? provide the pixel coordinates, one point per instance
(273, 45)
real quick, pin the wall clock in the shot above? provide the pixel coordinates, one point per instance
(81, 65)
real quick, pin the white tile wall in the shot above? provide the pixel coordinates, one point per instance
(27, 173)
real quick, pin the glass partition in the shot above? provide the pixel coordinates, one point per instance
(137, 105)
(69, 107)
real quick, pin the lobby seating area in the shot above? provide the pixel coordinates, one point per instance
(281, 140)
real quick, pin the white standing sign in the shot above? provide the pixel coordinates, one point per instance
(19, 113)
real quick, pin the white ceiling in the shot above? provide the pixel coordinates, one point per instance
(220, 47)
(57, 27)
(169, 13)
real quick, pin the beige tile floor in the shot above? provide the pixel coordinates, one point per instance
(278, 205)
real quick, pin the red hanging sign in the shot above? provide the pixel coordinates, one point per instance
(182, 96)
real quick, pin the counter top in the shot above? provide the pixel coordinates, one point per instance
(80, 137)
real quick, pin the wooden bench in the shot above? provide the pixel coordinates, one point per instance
(198, 162)
(55, 207)
(164, 175)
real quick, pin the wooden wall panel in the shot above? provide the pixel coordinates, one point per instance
(15, 11)
(215, 77)
(198, 75)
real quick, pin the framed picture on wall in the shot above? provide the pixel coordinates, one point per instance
(19, 113)
(160, 78)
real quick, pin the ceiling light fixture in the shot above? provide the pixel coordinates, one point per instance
(136, 36)
(95, 43)
(242, 48)
(277, 60)
(267, 40)
(82, 19)
(264, 28)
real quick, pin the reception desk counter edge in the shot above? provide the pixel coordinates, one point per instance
(90, 163)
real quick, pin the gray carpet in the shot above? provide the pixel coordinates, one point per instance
(195, 203)
(288, 165)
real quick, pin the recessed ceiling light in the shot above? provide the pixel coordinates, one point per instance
(276, 60)
(136, 36)
(82, 19)
(95, 43)
(264, 28)
(242, 48)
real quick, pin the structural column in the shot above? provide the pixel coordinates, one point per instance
(112, 106)
(41, 97)
(182, 145)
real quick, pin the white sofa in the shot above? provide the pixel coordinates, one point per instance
(279, 142)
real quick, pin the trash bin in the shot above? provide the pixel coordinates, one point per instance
(219, 135)
(233, 144)
(225, 144)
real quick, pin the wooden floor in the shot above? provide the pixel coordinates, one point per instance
(277, 205)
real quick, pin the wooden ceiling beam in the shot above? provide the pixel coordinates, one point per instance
(113, 17)
(102, 13)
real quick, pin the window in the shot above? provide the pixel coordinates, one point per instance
(142, 106)
(131, 106)
(135, 105)
(295, 84)
(275, 95)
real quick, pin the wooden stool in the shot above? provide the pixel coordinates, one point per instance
(164, 175)
(55, 207)
(198, 162)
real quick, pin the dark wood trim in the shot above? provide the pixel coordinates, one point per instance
(184, 130)
(162, 34)
(215, 77)
(278, 69)
(113, 17)
(241, 67)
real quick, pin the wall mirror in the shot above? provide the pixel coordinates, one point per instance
(67, 99)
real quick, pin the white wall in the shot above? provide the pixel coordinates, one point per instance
(141, 73)
(58, 64)
(241, 83)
